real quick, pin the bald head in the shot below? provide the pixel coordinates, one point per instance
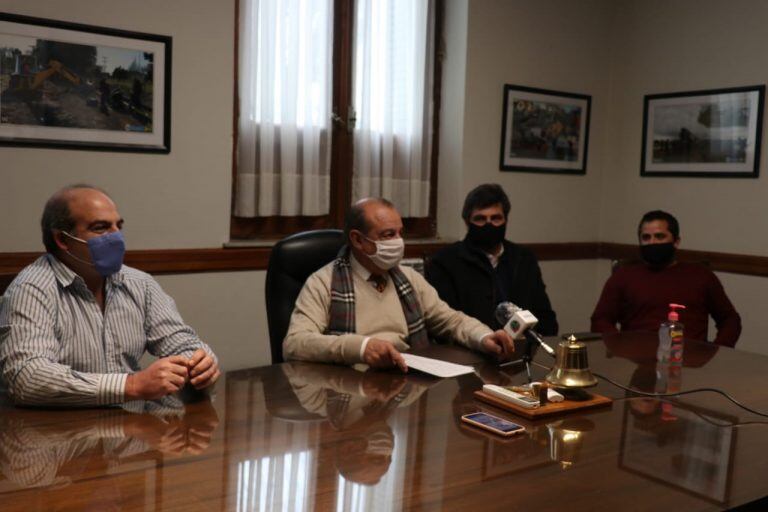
(362, 214)
(65, 206)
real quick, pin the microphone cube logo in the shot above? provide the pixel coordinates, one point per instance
(515, 325)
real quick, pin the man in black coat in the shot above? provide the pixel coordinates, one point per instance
(477, 273)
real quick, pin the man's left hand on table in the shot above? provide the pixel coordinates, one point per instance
(203, 370)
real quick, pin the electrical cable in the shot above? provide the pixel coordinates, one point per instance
(681, 393)
(678, 393)
(726, 425)
(700, 415)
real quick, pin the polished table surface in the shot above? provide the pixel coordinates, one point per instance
(302, 436)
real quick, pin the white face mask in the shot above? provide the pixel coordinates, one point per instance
(388, 252)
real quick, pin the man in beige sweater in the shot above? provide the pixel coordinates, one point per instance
(365, 308)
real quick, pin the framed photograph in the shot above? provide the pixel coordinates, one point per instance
(712, 133)
(544, 131)
(66, 85)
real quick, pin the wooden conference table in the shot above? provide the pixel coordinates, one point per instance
(322, 437)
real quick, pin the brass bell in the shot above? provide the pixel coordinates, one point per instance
(571, 368)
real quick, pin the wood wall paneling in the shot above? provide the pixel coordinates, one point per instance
(183, 261)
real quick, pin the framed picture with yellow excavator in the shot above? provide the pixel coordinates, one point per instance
(67, 85)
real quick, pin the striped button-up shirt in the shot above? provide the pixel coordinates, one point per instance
(57, 347)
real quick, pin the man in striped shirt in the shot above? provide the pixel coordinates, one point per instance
(75, 323)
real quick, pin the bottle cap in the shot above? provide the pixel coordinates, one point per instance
(673, 315)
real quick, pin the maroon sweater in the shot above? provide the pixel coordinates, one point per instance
(637, 298)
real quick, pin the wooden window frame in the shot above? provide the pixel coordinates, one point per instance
(242, 228)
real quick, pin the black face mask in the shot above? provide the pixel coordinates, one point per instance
(486, 236)
(658, 255)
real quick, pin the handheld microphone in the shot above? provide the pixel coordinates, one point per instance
(505, 311)
(515, 320)
(519, 323)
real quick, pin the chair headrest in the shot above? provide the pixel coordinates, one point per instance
(302, 254)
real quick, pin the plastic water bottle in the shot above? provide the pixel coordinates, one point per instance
(671, 337)
(669, 369)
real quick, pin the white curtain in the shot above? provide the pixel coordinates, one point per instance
(284, 142)
(394, 45)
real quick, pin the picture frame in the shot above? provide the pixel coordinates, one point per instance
(709, 133)
(544, 131)
(73, 86)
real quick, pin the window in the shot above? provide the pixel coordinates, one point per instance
(336, 100)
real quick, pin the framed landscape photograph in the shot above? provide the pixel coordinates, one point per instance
(66, 85)
(714, 133)
(544, 131)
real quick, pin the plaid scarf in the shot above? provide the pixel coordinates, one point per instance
(342, 312)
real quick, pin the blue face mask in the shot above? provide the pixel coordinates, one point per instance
(107, 252)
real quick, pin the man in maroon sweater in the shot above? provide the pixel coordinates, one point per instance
(637, 296)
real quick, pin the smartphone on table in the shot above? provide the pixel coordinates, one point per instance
(493, 423)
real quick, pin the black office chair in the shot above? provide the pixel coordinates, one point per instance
(292, 261)
(5, 280)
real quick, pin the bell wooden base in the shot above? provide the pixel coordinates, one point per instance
(549, 409)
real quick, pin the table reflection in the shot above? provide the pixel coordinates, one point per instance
(303, 436)
(555, 441)
(357, 403)
(343, 429)
(640, 347)
(679, 445)
(37, 450)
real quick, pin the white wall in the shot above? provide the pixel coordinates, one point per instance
(573, 288)
(682, 45)
(169, 201)
(664, 46)
(616, 51)
(560, 45)
(227, 311)
(180, 200)
(450, 159)
(750, 297)
(555, 44)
